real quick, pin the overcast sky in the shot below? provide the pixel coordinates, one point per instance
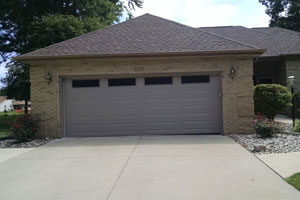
(197, 13)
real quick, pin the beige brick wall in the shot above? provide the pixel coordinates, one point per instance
(293, 67)
(237, 93)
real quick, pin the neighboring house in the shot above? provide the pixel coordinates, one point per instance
(144, 76)
(20, 105)
(5, 104)
(282, 57)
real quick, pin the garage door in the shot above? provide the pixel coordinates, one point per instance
(142, 105)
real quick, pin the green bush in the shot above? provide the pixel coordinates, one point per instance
(26, 127)
(296, 128)
(270, 99)
(265, 127)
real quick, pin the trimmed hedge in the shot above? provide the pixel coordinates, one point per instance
(270, 99)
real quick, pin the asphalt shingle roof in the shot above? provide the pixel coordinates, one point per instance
(277, 41)
(144, 34)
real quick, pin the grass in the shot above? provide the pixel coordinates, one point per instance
(294, 180)
(6, 121)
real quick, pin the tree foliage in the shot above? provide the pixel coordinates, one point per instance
(17, 82)
(27, 25)
(53, 29)
(2, 92)
(19, 19)
(283, 13)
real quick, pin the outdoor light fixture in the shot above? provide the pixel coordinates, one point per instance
(232, 72)
(49, 78)
(291, 79)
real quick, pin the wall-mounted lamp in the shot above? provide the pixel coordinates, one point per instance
(232, 72)
(49, 78)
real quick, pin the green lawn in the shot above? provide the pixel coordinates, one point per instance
(294, 180)
(6, 121)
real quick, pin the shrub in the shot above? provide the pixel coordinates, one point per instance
(270, 99)
(265, 127)
(25, 127)
(296, 128)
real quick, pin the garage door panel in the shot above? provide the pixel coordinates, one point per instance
(195, 94)
(84, 113)
(172, 108)
(86, 106)
(162, 103)
(122, 127)
(166, 126)
(131, 97)
(195, 116)
(86, 129)
(159, 119)
(86, 121)
(196, 109)
(159, 96)
(160, 111)
(129, 112)
(205, 124)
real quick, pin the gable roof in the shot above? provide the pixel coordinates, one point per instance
(277, 41)
(2, 98)
(146, 34)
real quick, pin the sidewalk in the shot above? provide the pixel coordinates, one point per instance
(9, 153)
(285, 164)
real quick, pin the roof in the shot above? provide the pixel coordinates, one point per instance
(146, 34)
(17, 103)
(2, 98)
(277, 41)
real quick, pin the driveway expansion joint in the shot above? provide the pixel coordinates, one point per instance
(124, 167)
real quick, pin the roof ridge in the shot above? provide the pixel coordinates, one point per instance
(226, 38)
(291, 47)
(218, 26)
(288, 30)
(196, 29)
(253, 29)
(83, 35)
(268, 38)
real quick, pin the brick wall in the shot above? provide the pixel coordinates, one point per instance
(237, 93)
(293, 67)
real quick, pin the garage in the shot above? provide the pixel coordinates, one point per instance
(145, 76)
(172, 104)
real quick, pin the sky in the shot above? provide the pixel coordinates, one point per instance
(199, 13)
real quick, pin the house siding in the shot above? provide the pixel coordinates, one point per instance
(237, 93)
(293, 67)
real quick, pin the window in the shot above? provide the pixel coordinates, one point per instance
(85, 83)
(195, 79)
(158, 80)
(264, 80)
(121, 82)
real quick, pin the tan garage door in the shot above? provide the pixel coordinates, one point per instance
(142, 105)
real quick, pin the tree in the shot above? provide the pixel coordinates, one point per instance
(17, 83)
(2, 93)
(283, 13)
(18, 18)
(27, 25)
(53, 29)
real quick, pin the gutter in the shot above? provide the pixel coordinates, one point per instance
(254, 52)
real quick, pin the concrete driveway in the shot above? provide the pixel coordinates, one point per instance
(141, 168)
